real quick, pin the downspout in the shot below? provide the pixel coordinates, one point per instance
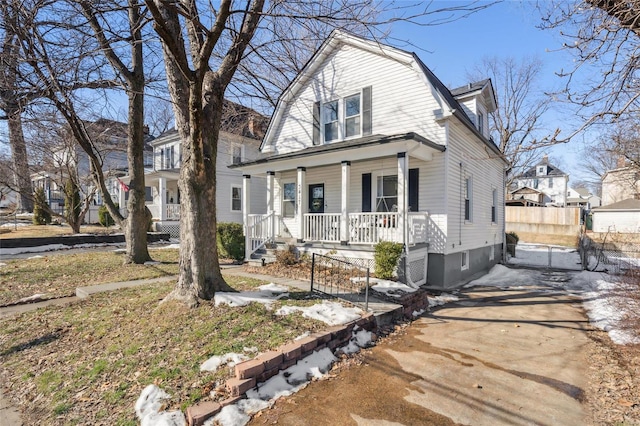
(504, 215)
(461, 209)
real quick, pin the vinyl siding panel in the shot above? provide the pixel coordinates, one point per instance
(485, 170)
(401, 100)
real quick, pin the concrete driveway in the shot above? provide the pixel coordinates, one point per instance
(495, 357)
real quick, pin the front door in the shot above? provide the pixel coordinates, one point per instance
(316, 198)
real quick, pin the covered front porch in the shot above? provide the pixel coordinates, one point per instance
(345, 194)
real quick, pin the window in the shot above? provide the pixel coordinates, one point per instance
(330, 121)
(468, 192)
(481, 122)
(535, 184)
(492, 252)
(494, 197)
(167, 158)
(289, 199)
(387, 194)
(541, 170)
(236, 199)
(550, 183)
(236, 154)
(464, 260)
(352, 116)
(148, 193)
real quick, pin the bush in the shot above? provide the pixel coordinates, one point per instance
(231, 241)
(287, 257)
(41, 213)
(104, 217)
(386, 258)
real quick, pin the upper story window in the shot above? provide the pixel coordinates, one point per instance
(481, 122)
(167, 157)
(330, 120)
(468, 194)
(352, 116)
(343, 118)
(236, 154)
(542, 170)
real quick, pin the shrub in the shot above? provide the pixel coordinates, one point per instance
(71, 202)
(231, 241)
(386, 258)
(287, 257)
(41, 213)
(104, 217)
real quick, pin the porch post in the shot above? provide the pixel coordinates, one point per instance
(301, 201)
(162, 192)
(403, 186)
(270, 203)
(344, 218)
(246, 193)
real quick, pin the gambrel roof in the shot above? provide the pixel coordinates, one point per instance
(450, 106)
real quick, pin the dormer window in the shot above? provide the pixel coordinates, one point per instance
(541, 170)
(481, 122)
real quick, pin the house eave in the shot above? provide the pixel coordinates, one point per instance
(352, 150)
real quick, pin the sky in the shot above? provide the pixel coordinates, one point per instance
(506, 29)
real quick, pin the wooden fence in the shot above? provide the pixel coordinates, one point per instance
(543, 215)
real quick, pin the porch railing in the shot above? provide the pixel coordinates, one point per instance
(323, 227)
(172, 211)
(257, 232)
(418, 225)
(371, 228)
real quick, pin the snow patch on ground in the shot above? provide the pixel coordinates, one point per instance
(148, 408)
(266, 297)
(442, 299)
(332, 313)
(391, 288)
(215, 362)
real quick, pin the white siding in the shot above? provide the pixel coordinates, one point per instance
(616, 221)
(401, 100)
(485, 170)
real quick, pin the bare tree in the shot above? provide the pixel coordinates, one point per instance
(12, 101)
(517, 123)
(603, 36)
(204, 48)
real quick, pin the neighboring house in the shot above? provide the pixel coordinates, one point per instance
(367, 144)
(549, 180)
(110, 140)
(620, 184)
(581, 197)
(623, 217)
(526, 197)
(239, 141)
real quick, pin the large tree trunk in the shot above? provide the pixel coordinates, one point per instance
(200, 276)
(19, 158)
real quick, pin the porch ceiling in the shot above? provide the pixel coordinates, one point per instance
(352, 150)
(154, 176)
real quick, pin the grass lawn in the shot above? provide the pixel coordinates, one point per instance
(59, 275)
(30, 231)
(87, 363)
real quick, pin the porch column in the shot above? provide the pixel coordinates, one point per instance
(270, 203)
(403, 188)
(301, 201)
(344, 210)
(162, 189)
(246, 193)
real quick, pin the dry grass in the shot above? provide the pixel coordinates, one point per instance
(88, 362)
(59, 275)
(560, 240)
(31, 231)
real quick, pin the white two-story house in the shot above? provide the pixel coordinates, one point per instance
(546, 181)
(366, 145)
(239, 141)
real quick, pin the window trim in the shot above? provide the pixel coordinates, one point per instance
(239, 188)
(464, 260)
(235, 146)
(468, 199)
(285, 200)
